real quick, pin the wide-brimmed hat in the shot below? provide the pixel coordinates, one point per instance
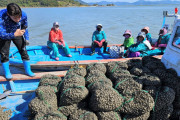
(142, 34)
(145, 28)
(127, 32)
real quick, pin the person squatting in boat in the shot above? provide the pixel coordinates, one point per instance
(99, 39)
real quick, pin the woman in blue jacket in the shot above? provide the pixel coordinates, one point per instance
(142, 45)
(148, 35)
(161, 44)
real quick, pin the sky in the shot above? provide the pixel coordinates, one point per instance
(121, 0)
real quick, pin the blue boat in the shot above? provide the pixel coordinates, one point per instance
(41, 57)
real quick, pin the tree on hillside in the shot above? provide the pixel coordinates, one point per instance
(34, 3)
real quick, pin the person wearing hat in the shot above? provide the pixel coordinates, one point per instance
(56, 41)
(163, 39)
(129, 40)
(13, 24)
(161, 44)
(98, 39)
(141, 46)
(148, 35)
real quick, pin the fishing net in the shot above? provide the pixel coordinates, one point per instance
(149, 80)
(69, 81)
(153, 65)
(67, 110)
(95, 72)
(175, 114)
(134, 62)
(172, 71)
(152, 90)
(138, 103)
(172, 82)
(36, 105)
(49, 79)
(106, 99)
(97, 76)
(46, 93)
(148, 59)
(55, 115)
(83, 114)
(161, 73)
(165, 96)
(96, 66)
(138, 71)
(77, 70)
(128, 90)
(176, 102)
(103, 83)
(108, 115)
(127, 86)
(114, 66)
(135, 117)
(73, 95)
(162, 114)
(124, 74)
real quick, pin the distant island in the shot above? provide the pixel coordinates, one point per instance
(139, 2)
(44, 3)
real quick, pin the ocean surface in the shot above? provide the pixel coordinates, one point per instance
(78, 23)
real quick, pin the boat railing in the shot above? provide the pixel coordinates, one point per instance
(175, 15)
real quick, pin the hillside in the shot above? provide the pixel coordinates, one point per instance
(43, 3)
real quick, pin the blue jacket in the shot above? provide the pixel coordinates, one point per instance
(98, 35)
(138, 47)
(8, 26)
(148, 36)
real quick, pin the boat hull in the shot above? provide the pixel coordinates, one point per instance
(41, 60)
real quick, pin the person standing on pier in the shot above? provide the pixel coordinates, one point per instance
(13, 24)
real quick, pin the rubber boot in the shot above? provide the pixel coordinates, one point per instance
(27, 68)
(6, 70)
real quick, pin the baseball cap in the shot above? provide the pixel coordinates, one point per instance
(55, 24)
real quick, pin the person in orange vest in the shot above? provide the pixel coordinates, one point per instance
(56, 41)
